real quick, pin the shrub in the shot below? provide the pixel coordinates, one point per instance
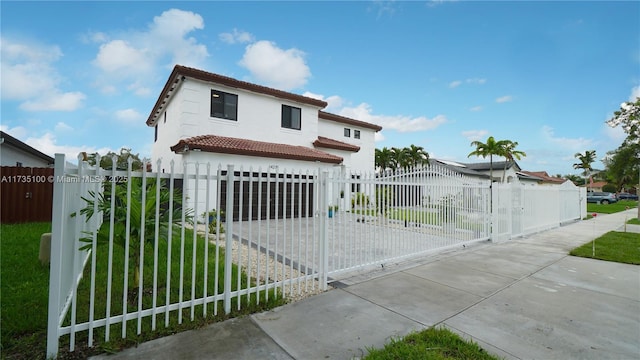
(609, 188)
(361, 199)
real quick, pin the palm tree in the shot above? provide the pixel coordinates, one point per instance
(490, 148)
(384, 159)
(417, 155)
(510, 152)
(401, 158)
(586, 160)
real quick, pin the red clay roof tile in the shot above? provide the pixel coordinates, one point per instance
(325, 142)
(348, 121)
(236, 146)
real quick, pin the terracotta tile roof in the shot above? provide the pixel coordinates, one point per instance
(236, 146)
(180, 71)
(545, 176)
(345, 120)
(325, 142)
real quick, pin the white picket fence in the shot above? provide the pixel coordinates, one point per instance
(285, 233)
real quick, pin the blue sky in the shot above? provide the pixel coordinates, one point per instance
(83, 76)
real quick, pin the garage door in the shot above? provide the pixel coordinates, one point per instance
(270, 196)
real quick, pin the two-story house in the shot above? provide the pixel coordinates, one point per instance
(202, 117)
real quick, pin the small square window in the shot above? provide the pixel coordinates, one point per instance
(347, 132)
(356, 134)
(291, 117)
(18, 164)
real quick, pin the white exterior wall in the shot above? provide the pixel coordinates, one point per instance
(361, 161)
(10, 156)
(244, 163)
(259, 118)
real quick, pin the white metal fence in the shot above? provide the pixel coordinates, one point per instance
(158, 254)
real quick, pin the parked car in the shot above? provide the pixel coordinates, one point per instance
(601, 197)
(627, 196)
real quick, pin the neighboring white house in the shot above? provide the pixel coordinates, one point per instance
(14, 152)
(203, 117)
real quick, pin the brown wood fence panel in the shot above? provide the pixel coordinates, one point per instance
(26, 194)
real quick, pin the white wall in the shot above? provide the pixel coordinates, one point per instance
(361, 161)
(244, 163)
(9, 156)
(259, 118)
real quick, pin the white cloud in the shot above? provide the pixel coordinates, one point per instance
(29, 76)
(474, 135)
(334, 102)
(236, 37)
(47, 144)
(573, 144)
(18, 132)
(504, 99)
(476, 108)
(118, 56)
(129, 116)
(265, 61)
(476, 81)
(379, 136)
(133, 57)
(55, 101)
(635, 93)
(62, 127)
(400, 123)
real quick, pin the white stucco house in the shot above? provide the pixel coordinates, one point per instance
(202, 117)
(14, 152)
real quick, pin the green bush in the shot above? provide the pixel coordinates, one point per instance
(609, 188)
(361, 199)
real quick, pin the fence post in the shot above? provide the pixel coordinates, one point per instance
(228, 254)
(324, 240)
(57, 223)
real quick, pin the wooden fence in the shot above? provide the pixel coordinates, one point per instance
(27, 194)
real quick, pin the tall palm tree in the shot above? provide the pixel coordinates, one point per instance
(490, 148)
(585, 161)
(384, 159)
(400, 158)
(417, 155)
(510, 153)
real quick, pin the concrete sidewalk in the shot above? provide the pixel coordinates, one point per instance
(521, 299)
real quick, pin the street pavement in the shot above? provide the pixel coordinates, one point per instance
(525, 298)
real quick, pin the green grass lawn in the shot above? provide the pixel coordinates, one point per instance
(634, 221)
(430, 344)
(25, 285)
(623, 247)
(611, 208)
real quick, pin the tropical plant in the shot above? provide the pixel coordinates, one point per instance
(212, 218)
(585, 161)
(401, 158)
(490, 148)
(384, 159)
(122, 159)
(510, 153)
(360, 199)
(134, 218)
(629, 117)
(417, 156)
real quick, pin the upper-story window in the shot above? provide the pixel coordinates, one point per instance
(347, 132)
(356, 134)
(224, 105)
(291, 117)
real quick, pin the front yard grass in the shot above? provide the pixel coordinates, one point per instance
(611, 208)
(25, 291)
(622, 247)
(634, 221)
(430, 344)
